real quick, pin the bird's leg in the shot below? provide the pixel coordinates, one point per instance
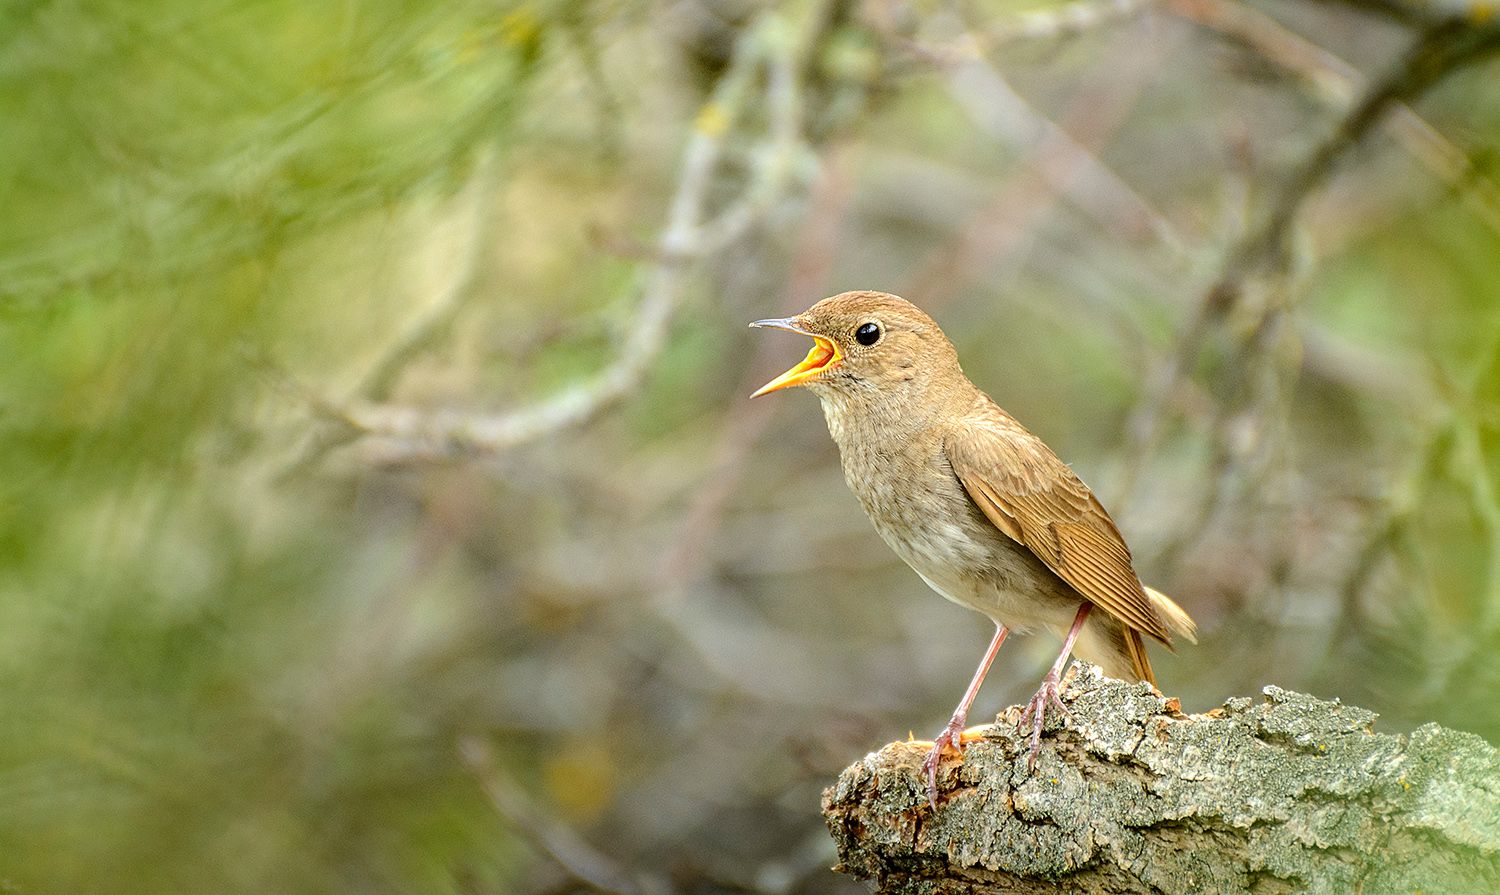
(952, 735)
(1047, 693)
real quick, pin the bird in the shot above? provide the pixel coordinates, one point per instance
(978, 506)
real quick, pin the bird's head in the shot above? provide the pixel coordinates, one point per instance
(869, 347)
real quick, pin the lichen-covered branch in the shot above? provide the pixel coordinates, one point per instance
(1285, 794)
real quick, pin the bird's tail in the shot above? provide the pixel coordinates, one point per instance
(1177, 621)
(1176, 618)
(1140, 663)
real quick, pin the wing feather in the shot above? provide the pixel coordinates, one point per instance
(1036, 500)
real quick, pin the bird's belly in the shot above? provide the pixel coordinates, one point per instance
(933, 526)
(988, 575)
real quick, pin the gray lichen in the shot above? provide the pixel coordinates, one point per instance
(1287, 794)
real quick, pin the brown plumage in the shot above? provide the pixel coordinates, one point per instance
(982, 509)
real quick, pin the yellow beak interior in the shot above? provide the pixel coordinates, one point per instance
(823, 355)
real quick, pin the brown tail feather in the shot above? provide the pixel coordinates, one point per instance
(1139, 661)
(1177, 621)
(1176, 618)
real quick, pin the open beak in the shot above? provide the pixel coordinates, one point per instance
(823, 355)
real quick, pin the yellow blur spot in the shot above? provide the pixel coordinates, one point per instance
(712, 121)
(520, 26)
(1481, 13)
(581, 779)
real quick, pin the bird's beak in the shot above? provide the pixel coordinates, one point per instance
(823, 355)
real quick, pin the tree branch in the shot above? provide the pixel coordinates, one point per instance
(1290, 794)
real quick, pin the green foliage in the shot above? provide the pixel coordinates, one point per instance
(195, 686)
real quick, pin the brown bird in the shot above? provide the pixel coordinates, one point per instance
(984, 512)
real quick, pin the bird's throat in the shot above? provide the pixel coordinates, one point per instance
(885, 419)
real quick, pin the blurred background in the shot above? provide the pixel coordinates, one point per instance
(381, 509)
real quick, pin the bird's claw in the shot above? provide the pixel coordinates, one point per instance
(1049, 693)
(950, 738)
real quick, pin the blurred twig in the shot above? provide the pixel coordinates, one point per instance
(1340, 84)
(994, 235)
(391, 434)
(1262, 254)
(582, 863)
(686, 562)
(422, 336)
(1066, 165)
(1452, 449)
(1064, 20)
(609, 111)
(438, 322)
(1061, 21)
(1429, 13)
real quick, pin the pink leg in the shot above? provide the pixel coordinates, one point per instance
(1047, 694)
(952, 735)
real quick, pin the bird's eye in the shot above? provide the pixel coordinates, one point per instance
(867, 334)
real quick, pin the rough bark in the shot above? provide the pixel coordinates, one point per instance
(1287, 794)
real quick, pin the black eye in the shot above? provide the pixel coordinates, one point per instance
(867, 334)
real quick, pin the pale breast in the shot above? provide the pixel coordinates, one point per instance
(921, 510)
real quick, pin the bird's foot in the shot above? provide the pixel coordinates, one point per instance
(1049, 693)
(950, 738)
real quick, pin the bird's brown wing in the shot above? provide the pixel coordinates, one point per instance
(1035, 499)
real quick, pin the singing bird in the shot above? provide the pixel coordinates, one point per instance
(978, 506)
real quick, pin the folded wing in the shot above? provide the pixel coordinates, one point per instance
(1036, 500)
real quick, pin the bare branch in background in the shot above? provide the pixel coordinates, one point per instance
(1339, 84)
(1067, 166)
(994, 236)
(1054, 23)
(422, 336)
(686, 562)
(1429, 13)
(395, 434)
(1261, 256)
(436, 324)
(582, 863)
(1064, 20)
